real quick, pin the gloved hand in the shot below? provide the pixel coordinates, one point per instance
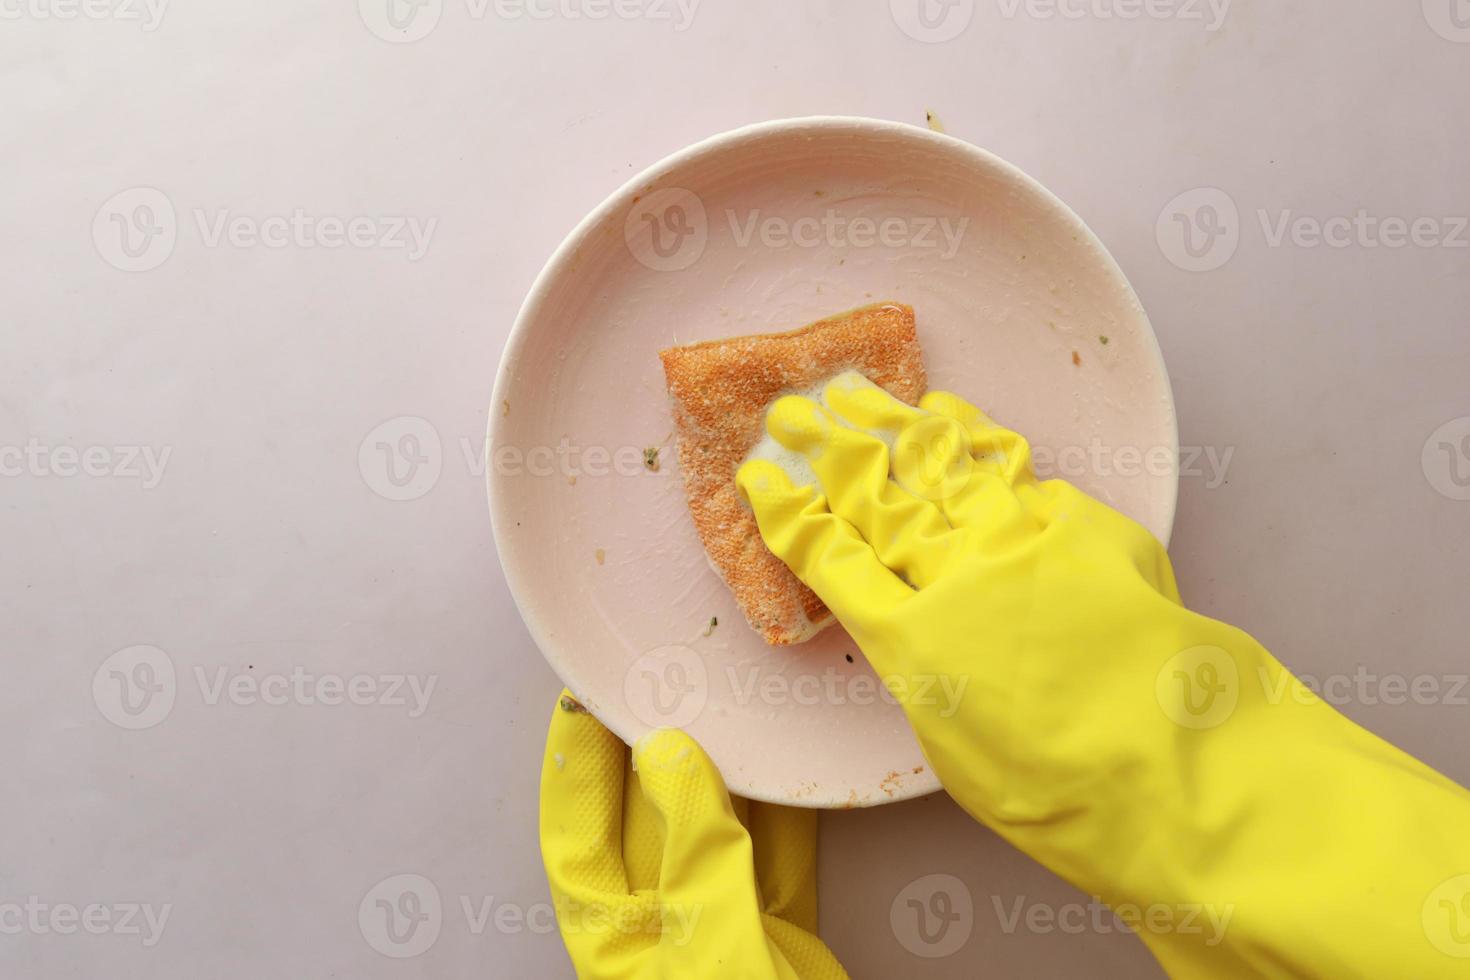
(1156, 758)
(657, 872)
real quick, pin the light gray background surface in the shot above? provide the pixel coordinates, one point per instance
(253, 375)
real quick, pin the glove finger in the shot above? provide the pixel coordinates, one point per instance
(997, 500)
(909, 534)
(994, 448)
(860, 404)
(931, 454)
(706, 875)
(785, 843)
(582, 804)
(643, 835)
(820, 548)
(582, 784)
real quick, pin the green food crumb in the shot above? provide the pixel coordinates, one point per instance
(713, 622)
(1104, 340)
(569, 703)
(650, 458)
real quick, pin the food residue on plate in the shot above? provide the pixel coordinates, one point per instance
(713, 622)
(1103, 339)
(1076, 358)
(600, 555)
(933, 121)
(650, 459)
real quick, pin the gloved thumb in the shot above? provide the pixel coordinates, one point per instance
(706, 874)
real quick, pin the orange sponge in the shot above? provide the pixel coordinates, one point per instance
(721, 390)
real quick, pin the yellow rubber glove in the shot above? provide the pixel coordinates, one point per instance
(1154, 757)
(657, 872)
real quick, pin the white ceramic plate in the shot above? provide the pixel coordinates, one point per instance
(762, 229)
